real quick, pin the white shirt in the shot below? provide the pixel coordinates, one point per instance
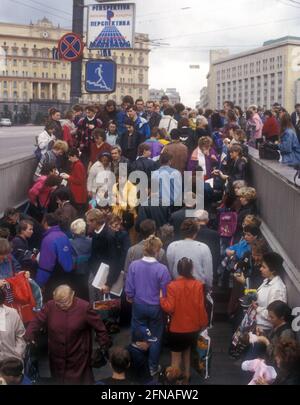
(43, 141)
(12, 343)
(268, 292)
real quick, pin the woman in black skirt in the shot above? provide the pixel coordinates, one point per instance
(185, 303)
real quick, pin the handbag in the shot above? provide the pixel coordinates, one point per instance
(108, 308)
(268, 151)
(240, 339)
(99, 358)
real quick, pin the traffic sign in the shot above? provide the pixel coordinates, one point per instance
(101, 76)
(70, 47)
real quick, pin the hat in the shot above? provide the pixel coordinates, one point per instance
(104, 154)
(143, 334)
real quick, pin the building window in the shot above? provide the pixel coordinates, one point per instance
(45, 53)
(34, 74)
(54, 75)
(25, 85)
(15, 62)
(45, 64)
(15, 85)
(15, 95)
(25, 95)
(140, 91)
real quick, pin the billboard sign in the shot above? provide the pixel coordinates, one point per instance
(111, 26)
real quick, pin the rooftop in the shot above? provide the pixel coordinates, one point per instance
(268, 45)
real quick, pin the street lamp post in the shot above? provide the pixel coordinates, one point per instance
(76, 67)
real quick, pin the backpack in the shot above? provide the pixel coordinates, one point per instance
(38, 154)
(268, 151)
(218, 141)
(228, 224)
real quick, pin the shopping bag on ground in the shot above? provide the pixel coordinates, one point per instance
(203, 354)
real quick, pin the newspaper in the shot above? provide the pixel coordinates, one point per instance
(101, 278)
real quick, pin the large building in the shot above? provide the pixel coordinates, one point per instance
(30, 77)
(204, 102)
(172, 93)
(261, 76)
(155, 94)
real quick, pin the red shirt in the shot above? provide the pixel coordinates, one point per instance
(185, 303)
(78, 182)
(271, 127)
(95, 151)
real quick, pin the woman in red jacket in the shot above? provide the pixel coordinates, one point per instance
(77, 181)
(185, 303)
(271, 128)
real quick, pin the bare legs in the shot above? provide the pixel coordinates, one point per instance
(182, 361)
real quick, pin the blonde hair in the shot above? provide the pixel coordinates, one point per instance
(78, 227)
(252, 220)
(5, 247)
(247, 192)
(202, 120)
(61, 146)
(205, 142)
(152, 245)
(95, 215)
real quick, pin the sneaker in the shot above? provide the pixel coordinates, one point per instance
(153, 372)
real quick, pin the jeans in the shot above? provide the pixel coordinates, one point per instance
(150, 316)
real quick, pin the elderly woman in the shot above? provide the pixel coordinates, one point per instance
(69, 320)
(81, 253)
(201, 128)
(247, 197)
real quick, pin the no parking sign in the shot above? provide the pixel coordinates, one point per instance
(70, 47)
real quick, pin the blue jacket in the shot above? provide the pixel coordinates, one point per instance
(9, 267)
(142, 126)
(290, 147)
(56, 248)
(240, 248)
(81, 253)
(121, 117)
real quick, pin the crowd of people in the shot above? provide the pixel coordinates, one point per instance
(164, 262)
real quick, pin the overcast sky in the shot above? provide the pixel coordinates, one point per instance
(186, 29)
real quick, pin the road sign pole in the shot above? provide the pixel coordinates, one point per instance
(76, 67)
